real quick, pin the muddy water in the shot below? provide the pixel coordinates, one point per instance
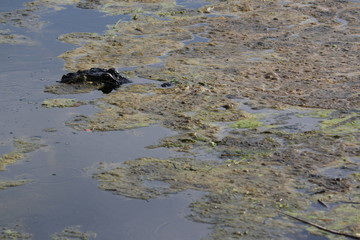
(62, 192)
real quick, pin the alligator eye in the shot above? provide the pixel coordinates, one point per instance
(114, 72)
(107, 76)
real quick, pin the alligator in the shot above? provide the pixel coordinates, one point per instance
(105, 79)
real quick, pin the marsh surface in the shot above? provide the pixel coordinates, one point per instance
(261, 121)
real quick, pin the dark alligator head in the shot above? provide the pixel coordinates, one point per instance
(105, 79)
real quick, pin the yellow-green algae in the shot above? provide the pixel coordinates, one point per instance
(73, 233)
(321, 113)
(115, 7)
(347, 124)
(182, 174)
(131, 107)
(244, 193)
(61, 103)
(22, 147)
(6, 37)
(342, 217)
(247, 123)
(14, 183)
(10, 158)
(123, 40)
(12, 234)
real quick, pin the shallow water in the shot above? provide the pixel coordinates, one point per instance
(63, 193)
(273, 138)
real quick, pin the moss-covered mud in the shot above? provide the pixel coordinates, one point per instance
(272, 54)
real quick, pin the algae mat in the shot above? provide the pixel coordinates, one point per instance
(272, 54)
(267, 54)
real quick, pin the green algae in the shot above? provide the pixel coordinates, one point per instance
(104, 51)
(321, 113)
(8, 184)
(247, 123)
(261, 177)
(241, 195)
(61, 103)
(110, 120)
(267, 170)
(342, 217)
(180, 174)
(344, 125)
(6, 37)
(12, 234)
(61, 89)
(114, 7)
(10, 158)
(22, 147)
(141, 105)
(73, 233)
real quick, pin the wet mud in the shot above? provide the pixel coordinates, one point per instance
(269, 57)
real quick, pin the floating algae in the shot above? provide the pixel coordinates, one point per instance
(130, 107)
(108, 48)
(7, 184)
(22, 147)
(10, 234)
(346, 124)
(74, 233)
(61, 103)
(263, 174)
(180, 174)
(6, 37)
(247, 123)
(10, 158)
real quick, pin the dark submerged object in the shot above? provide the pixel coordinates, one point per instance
(106, 79)
(166, 84)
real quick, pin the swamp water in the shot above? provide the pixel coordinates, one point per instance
(61, 194)
(261, 120)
